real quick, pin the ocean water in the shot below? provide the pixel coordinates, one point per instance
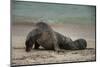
(25, 12)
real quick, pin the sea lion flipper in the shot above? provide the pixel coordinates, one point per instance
(36, 45)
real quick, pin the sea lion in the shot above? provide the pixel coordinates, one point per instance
(45, 36)
(68, 44)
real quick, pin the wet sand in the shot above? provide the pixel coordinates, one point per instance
(42, 56)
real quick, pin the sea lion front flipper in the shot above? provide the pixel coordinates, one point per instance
(36, 46)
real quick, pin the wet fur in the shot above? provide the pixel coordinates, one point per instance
(45, 36)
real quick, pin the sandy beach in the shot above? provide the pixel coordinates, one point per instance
(42, 56)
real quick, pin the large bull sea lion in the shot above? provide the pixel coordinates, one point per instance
(45, 36)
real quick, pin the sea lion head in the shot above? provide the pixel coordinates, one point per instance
(29, 45)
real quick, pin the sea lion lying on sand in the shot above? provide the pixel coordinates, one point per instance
(45, 36)
(68, 44)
